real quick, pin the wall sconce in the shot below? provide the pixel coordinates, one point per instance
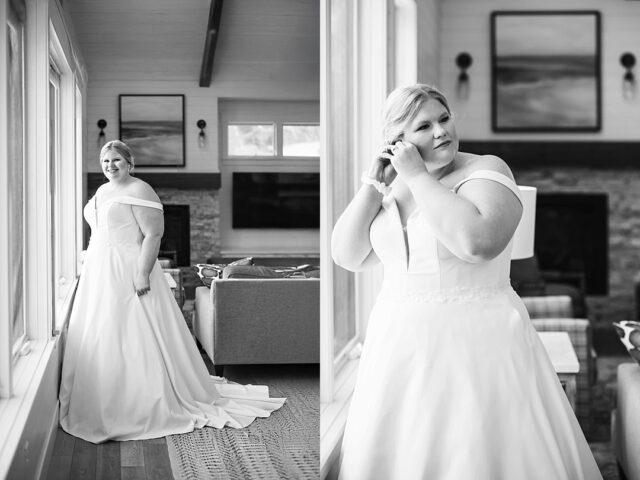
(628, 60)
(463, 61)
(201, 136)
(102, 124)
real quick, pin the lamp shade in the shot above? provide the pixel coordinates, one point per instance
(525, 233)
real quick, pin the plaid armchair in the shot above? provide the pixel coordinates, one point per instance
(554, 313)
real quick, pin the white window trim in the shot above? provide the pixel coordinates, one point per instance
(371, 81)
(297, 124)
(67, 178)
(227, 156)
(27, 372)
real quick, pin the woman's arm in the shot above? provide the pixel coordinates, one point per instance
(151, 223)
(350, 245)
(477, 223)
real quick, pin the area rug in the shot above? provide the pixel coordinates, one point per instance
(285, 445)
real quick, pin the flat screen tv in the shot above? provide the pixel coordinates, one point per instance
(276, 200)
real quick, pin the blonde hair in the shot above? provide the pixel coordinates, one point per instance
(403, 104)
(120, 147)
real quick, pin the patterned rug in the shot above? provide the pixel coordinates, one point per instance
(285, 445)
(603, 402)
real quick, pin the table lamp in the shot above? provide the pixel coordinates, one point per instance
(525, 233)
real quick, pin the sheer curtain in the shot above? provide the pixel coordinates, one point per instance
(15, 102)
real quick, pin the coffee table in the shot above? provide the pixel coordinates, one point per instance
(564, 360)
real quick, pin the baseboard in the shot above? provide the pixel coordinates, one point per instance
(50, 442)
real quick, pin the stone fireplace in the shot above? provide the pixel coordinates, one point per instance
(176, 241)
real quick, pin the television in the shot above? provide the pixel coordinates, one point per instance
(288, 200)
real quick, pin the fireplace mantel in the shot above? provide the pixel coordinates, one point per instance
(209, 181)
(527, 155)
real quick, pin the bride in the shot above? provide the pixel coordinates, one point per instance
(454, 382)
(131, 369)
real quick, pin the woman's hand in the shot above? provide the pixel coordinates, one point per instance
(381, 169)
(142, 284)
(407, 161)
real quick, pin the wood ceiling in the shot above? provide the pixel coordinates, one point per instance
(152, 39)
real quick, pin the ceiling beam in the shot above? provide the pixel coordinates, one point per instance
(213, 27)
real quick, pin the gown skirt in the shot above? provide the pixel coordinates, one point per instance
(460, 389)
(131, 368)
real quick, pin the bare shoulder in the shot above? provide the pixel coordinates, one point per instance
(486, 162)
(141, 189)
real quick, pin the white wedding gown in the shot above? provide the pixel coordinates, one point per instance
(131, 369)
(454, 382)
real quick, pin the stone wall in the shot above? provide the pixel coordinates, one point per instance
(204, 210)
(623, 189)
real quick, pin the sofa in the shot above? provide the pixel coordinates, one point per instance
(625, 421)
(554, 313)
(241, 321)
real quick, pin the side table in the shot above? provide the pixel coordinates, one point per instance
(564, 360)
(174, 279)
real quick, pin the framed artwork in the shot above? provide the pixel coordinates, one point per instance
(545, 71)
(153, 126)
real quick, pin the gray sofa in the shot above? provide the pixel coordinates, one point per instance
(625, 421)
(259, 321)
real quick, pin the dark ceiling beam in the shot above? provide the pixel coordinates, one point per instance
(213, 27)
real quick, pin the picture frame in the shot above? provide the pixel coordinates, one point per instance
(152, 125)
(545, 71)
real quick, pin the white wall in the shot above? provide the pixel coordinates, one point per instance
(465, 26)
(428, 40)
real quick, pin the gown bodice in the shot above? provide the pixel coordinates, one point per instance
(113, 221)
(416, 262)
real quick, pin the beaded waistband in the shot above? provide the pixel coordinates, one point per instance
(443, 295)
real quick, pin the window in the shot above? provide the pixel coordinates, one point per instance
(15, 144)
(251, 140)
(301, 140)
(64, 174)
(266, 136)
(54, 178)
(40, 138)
(355, 68)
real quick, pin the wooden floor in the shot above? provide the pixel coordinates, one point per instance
(74, 458)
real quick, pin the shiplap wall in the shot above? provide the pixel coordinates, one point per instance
(267, 49)
(465, 26)
(428, 41)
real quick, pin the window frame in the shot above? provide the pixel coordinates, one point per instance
(21, 379)
(242, 242)
(371, 25)
(229, 156)
(65, 201)
(297, 124)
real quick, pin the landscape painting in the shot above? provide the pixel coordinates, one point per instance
(153, 126)
(546, 71)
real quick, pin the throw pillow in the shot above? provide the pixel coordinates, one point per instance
(208, 272)
(629, 333)
(250, 271)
